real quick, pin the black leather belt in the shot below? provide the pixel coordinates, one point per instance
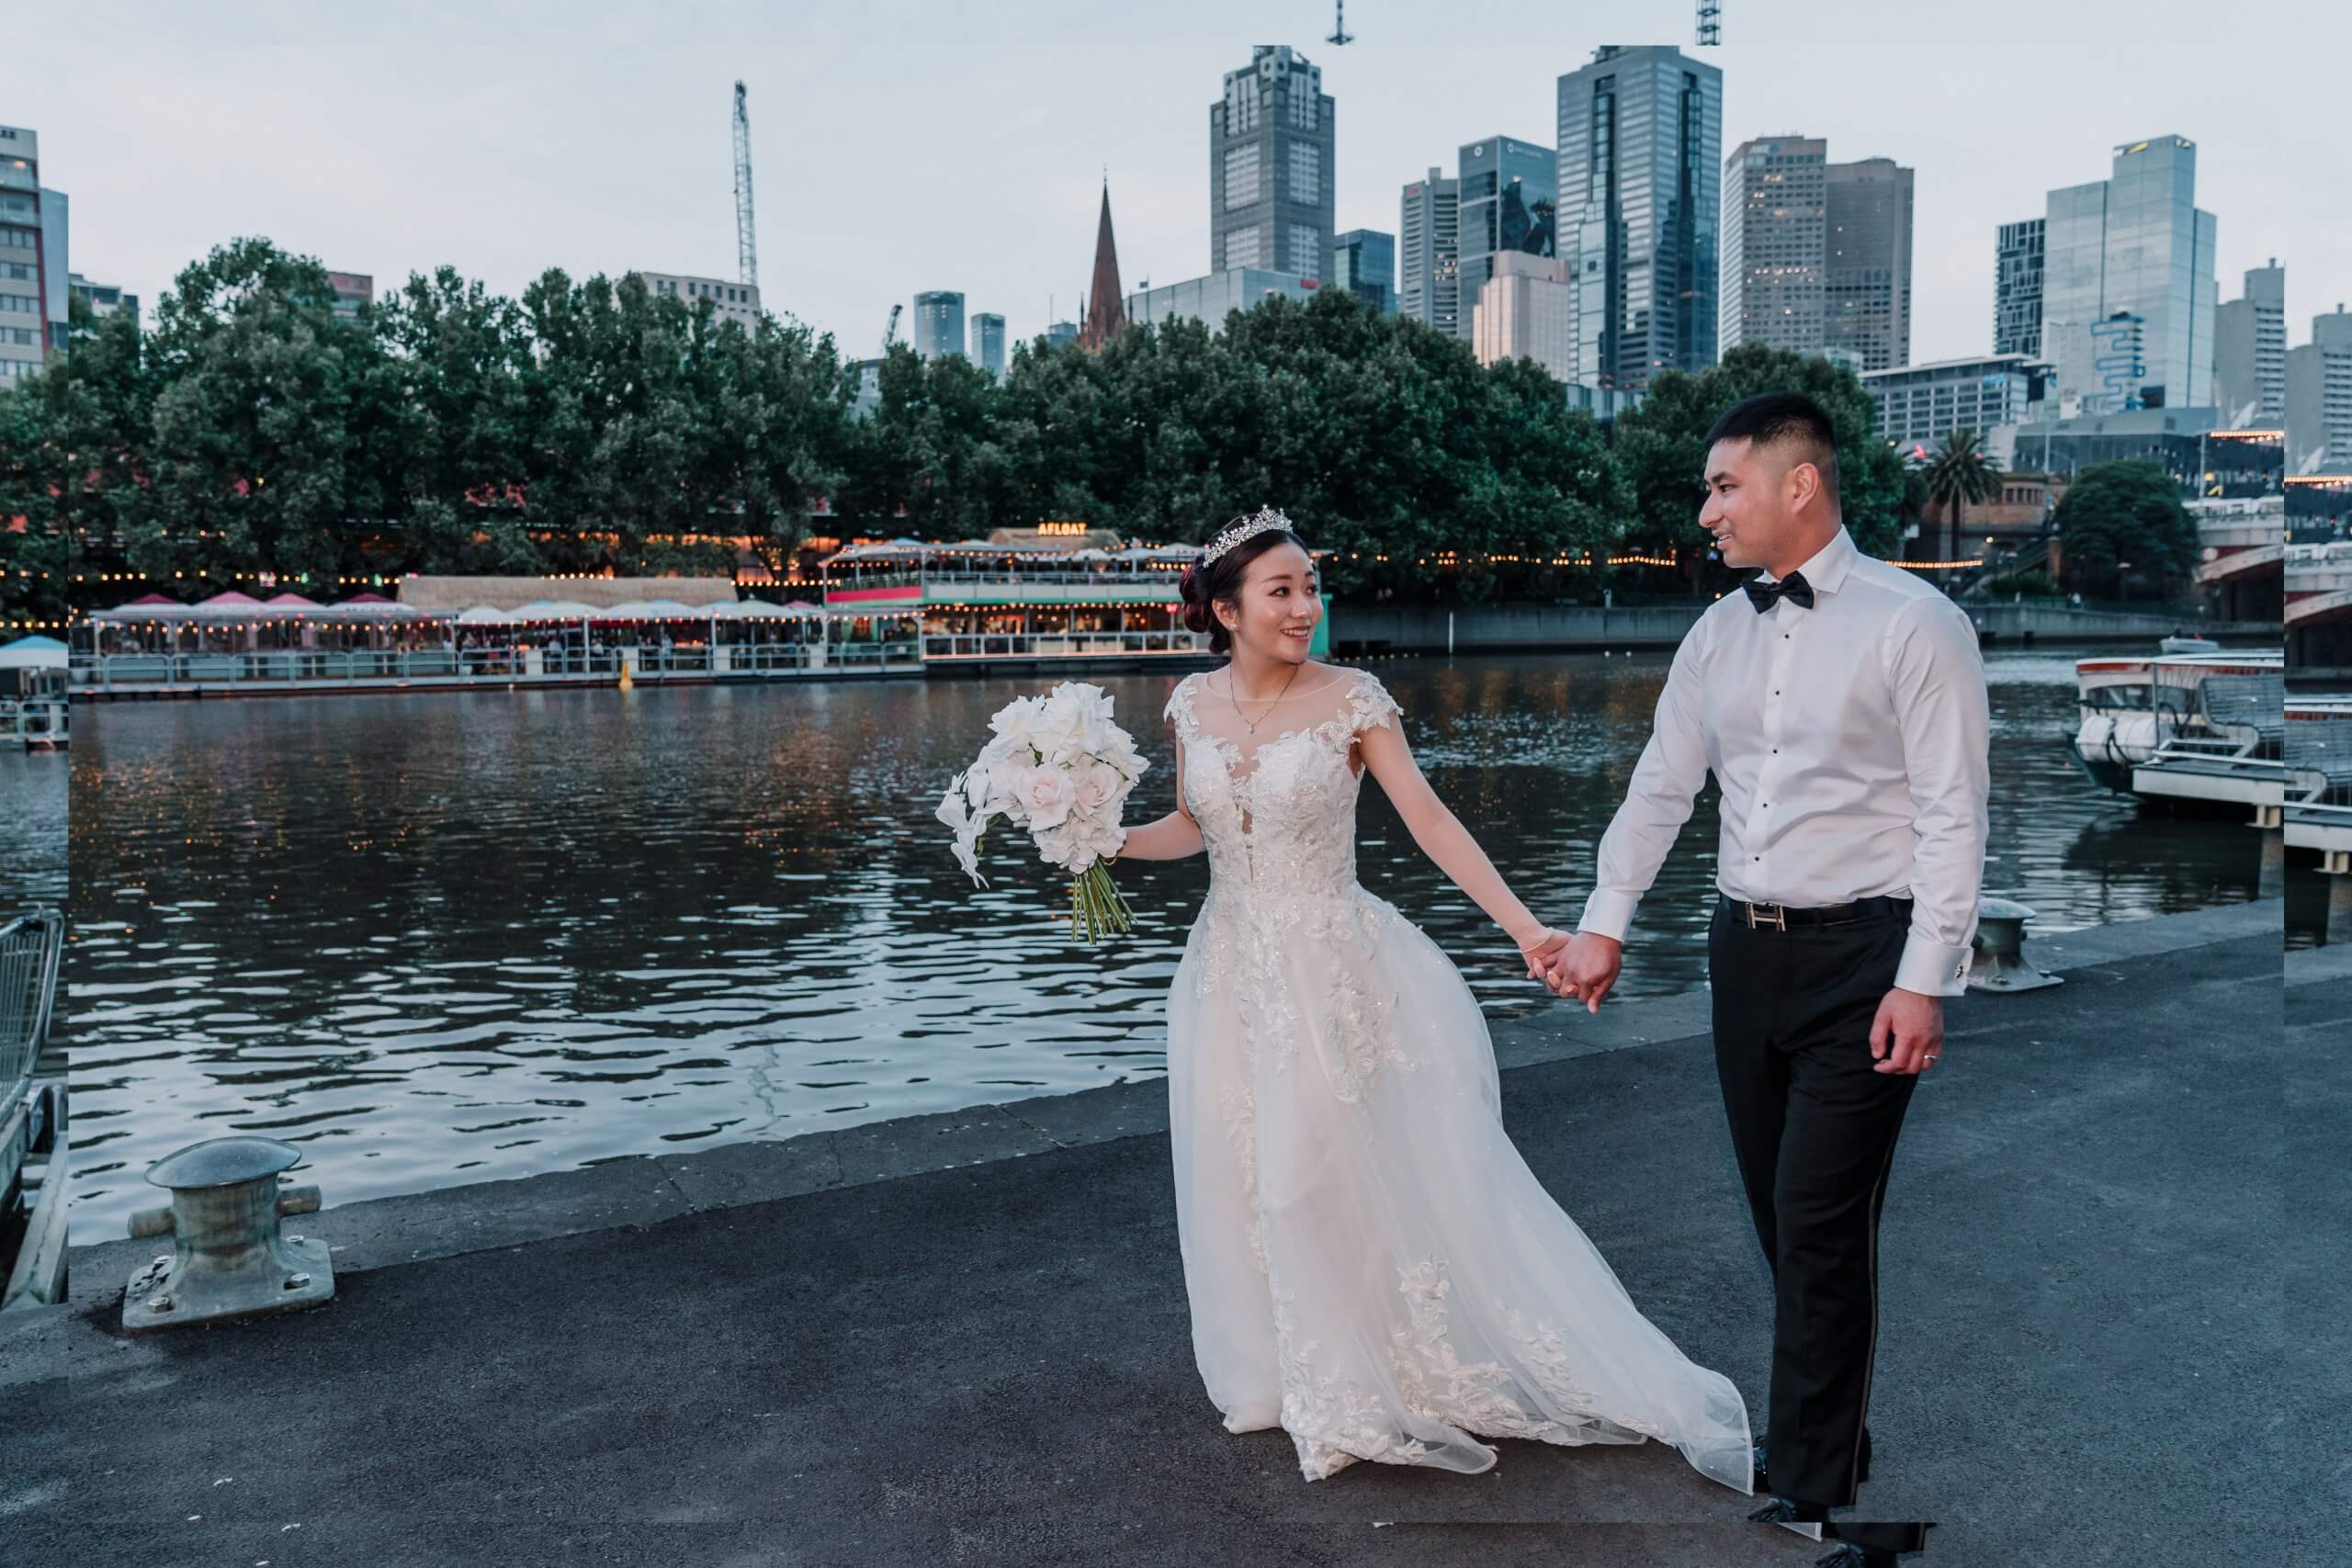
(1781, 917)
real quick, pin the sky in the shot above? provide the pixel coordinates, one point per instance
(899, 146)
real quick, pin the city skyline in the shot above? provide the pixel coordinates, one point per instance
(162, 166)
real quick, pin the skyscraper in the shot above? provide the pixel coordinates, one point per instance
(1271, 181)
(1430, 280)
(33, 271)
(1060, 334)
(2319, 399)
(1509, 191)
(1526, 309)
(1641, 150)
(1776, 200)
(2250, 350)
(987, 343)
(2133, 244)
(1866, 303)
(1364, 262)
(939, 322)
(2017, 288)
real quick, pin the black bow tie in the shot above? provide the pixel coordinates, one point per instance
(1794, 588)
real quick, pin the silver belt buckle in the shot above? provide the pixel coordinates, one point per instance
(1778, 919)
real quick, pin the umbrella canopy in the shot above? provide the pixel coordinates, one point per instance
(486, 615)
(555, 610)
(651, 610)
(229, 600)
(760, 610)
(291, 602)
(32, 652)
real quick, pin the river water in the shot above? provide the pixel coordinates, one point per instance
(452, 938)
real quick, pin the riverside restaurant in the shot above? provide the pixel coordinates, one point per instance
(1030, 598)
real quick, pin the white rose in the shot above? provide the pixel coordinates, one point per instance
(1062, 846)
(1017, 718)
(1097, 785)
(1046, 795)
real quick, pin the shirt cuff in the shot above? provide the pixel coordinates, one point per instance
(1609, 913)
(1931, 968)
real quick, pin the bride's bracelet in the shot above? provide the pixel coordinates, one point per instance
(1542, 935)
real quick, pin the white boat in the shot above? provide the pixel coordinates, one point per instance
(2129, 707)
(33, 709)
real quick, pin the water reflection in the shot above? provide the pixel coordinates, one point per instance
(32, 829)
(449, 939)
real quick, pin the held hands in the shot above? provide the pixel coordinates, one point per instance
(1581, 968)
(1908, 1033)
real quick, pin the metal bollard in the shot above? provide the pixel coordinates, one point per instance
(230, 1260)
(2000, 962)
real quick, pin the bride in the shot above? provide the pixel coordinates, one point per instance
(1371, 1265)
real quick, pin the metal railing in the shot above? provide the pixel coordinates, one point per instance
(1057, 645)
(30, 947)
(104, 672)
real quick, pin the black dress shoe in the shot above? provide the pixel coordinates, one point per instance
(1806, 1520)
(1849, 1555)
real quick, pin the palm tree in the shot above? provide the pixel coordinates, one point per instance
(1958, 475)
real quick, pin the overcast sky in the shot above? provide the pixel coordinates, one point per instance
(899, 145)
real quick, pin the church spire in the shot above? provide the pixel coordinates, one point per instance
(1106, 313)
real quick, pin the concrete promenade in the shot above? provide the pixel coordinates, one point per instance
(963, 1338)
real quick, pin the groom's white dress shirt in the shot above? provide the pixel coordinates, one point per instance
(1849, 741)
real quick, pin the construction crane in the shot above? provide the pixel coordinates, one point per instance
(1340, 34)
(890, 332)
(1710, 22)
(747, 255)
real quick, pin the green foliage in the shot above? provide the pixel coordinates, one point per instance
(2032, 585)
(1662, 446)
(1959, 474)
(2125, 511)
(588, 425)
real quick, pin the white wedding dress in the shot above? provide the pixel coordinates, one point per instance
(1371, 1265)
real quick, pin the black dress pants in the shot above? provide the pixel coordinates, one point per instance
(1814, 1128)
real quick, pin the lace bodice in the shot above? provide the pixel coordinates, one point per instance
(1276, 804)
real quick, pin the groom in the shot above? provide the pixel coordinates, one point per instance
(1840, 704)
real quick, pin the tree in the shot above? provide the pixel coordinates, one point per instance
(2125, 511)
(1958, 475)
(270, 426)
(1662, 446)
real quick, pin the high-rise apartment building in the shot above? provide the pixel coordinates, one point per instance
(987, 343)
(2017, 288)
(2250, 350)
(104, 299)
(1640, 160)
(1364, 262)
(1866, 302)
(33, 262)
(1776, 201)
(939, 322)
(1508, 204)
(1430, 274)
(2319, 399)
(1271, 181)
(729, 300)
(2135, 246)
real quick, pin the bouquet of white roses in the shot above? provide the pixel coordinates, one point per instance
(1059, 767)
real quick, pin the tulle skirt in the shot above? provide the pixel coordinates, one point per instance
(1371, 1264)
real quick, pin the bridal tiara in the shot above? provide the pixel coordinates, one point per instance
(1265, 520)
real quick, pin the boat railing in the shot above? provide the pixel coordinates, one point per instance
(308, 667)
(33, 1169)
(30, 946)
(2319, 760)
(946, 646)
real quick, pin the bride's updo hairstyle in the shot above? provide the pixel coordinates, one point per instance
(1219, 583)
